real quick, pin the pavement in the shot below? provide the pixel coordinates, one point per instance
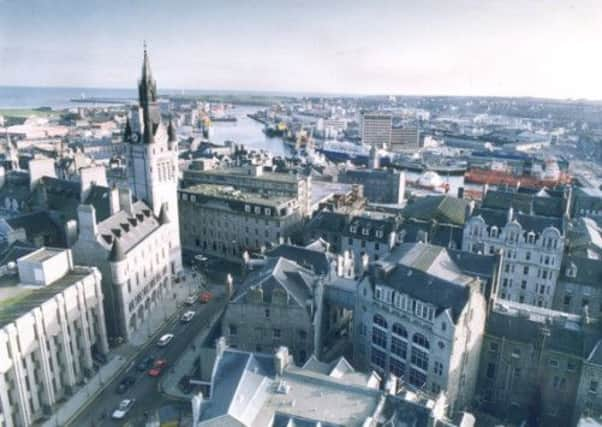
(93, 404)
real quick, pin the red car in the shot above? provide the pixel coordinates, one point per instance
(205, 297)
(157, 368)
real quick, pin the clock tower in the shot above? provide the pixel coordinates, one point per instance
(152, 159)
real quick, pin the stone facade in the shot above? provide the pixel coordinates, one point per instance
(50, 333)
(418, 317)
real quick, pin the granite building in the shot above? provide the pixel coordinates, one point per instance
(420, 318)
(52, 328)
(529, 230)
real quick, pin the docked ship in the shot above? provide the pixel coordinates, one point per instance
(430, 181)
(443, 166)
(550, 176)
(343, 151)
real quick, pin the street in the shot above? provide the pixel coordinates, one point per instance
(146, 389)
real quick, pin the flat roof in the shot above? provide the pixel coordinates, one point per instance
(244, 173)
(228, 192)
(319, 397)
(17, 299)
(42, 254)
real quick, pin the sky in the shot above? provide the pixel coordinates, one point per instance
(545, 48)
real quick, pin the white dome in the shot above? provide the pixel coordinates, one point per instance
(430, 179)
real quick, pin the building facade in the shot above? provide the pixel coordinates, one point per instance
(532, 247)
(418, 317)
(152, 159)
(52, 327)
(380, 186)
(376, 129)
(531, 364)
(225, 222)
(404, 137)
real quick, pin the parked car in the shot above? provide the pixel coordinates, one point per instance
(158, 368)
(145, 363)
(190, 300)
(124, 407)
(205, 297)
(165, 340)
(187, 317)
(125, 384)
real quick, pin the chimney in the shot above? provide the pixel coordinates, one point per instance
(125, 200)
(197, 408)
(281, 360)
(391, 385)
(95, 175)
(86, 216)
(39, 168)
(220, 346)
(114, 200)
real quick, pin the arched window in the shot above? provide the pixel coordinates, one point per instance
(421, 340)
(380, 321)
(493, 231)
(400, 330)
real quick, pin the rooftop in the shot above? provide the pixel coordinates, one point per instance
(17, 299)
(244, 172)
(227, 192)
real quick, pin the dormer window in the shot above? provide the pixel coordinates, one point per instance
(379, 234)
(365, 231)
(493, 232)
(353, 229)
(571, 270)
(531, 237)
(247, 208)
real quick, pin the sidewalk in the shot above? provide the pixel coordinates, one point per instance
(122, 357)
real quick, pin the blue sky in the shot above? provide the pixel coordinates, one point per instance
(547, 48)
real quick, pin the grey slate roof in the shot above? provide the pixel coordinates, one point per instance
(332, 222)
(525, 203)
(443, 209)
(525, 330)
(130, 229)
(100, 198)
(315, 260)
(535, 223)
(589, 271)
(37, 223)
(474, 264)
(280, 273)
(11, 252)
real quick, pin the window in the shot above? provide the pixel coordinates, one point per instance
(571, 366)
(523, 284)
(417, 378)
(379, 337)
(593, 387)
(528, 256)
(438, 368)
(378, 358)
(277, 333)
(232, 330)
(443, 326)
(267, 313)
(399, 348)
(365, 231)
(554, 363)
(490, 371)
(397, 367)
(379, 320)
(400, 330)
(247, 208)
(420, 359)
(525, 270)
(421, 340)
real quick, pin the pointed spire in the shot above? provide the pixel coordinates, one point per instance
(127, 132)
(117, 254)
(163, 217)
(171, 131)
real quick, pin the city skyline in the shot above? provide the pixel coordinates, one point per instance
(463, 48)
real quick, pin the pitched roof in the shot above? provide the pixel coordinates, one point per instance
(315, 260)
(525, 203)
(588, 271)
(36, 223)
(535, 223)
(443, 209)
(100, 198)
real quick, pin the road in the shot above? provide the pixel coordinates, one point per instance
(146, 389)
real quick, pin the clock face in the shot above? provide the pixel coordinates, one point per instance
(135, 137)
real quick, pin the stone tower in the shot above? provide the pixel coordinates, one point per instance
(152, 158)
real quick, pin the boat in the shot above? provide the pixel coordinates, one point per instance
(343, 151)
(224, 119)
(430, 181)
(500, 177)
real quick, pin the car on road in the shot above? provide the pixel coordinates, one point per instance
(165, 340)
(123, 409)
(158, 367)
(145, 363)
(205, 297)
(126, 383)
(190, 300)
(187, 317)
